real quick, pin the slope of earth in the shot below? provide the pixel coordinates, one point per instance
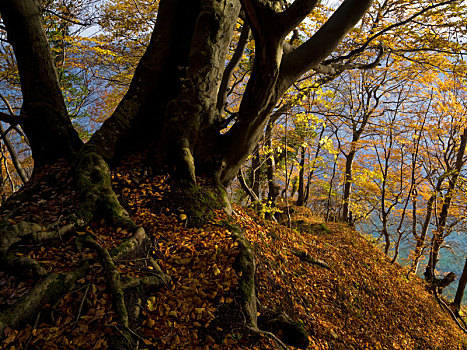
(343, 291)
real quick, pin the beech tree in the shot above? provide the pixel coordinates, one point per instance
(173, 108)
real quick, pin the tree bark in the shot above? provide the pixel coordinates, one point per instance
(426, 223)
(140, 117)
(347, 186)
(301, 177)
(273, 188)
(193, 121)
(438, 236)
(47, 124)
(460, 289)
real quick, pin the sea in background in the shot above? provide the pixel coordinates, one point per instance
(452, 257)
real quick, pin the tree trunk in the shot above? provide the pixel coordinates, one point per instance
(140, 117)
(13, 154)
(255, 171)
(426, 223)
(273, 188)
(313, 167)
(460, 289)
(193, 121)
(47, 124)
(328, 206)
(301, 178)
(438, 237)
(346, 215)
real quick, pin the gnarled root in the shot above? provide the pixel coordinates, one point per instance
(113, 278)
(129, 288)
(281, 325)
(23, 231)
(11, 234)
(276, 325)
(94, 185)
(22, 266)
(48, 291)
(128, 249)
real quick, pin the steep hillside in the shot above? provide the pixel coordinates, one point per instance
(326, 277)
(360, 302)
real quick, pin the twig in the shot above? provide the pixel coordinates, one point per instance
(33, 328)
(134, 333)
(126, 336)
(80, 307)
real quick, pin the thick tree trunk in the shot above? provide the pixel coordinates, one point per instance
(193, 122)
(140, 117)
(47, 124)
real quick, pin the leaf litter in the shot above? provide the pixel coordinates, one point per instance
(359, 302)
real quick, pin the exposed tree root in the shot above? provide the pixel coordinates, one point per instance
(153, 283)
(136, 288)
(276, 325)
(48, 291)
(113, 278)
(272, 336)
(22, 266)
(27, 232)
(304, 256)
(246, 264)
(11, 234)
(130, 248)
(94, 185)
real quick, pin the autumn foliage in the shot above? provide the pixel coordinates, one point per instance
(340, 288)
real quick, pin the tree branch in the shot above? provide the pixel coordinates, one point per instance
(359, 50)
(261, 15)
(289, 19)
(237, 56)
(14, 126)
(66, 18)
(246, 188)
(311, 53)
(333, 68)
(11, 119)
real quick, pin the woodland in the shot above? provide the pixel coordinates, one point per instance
(189, 174)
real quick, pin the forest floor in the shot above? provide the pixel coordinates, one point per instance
(325, 275)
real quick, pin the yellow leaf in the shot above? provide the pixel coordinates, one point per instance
(150, 323)
(150, 302)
